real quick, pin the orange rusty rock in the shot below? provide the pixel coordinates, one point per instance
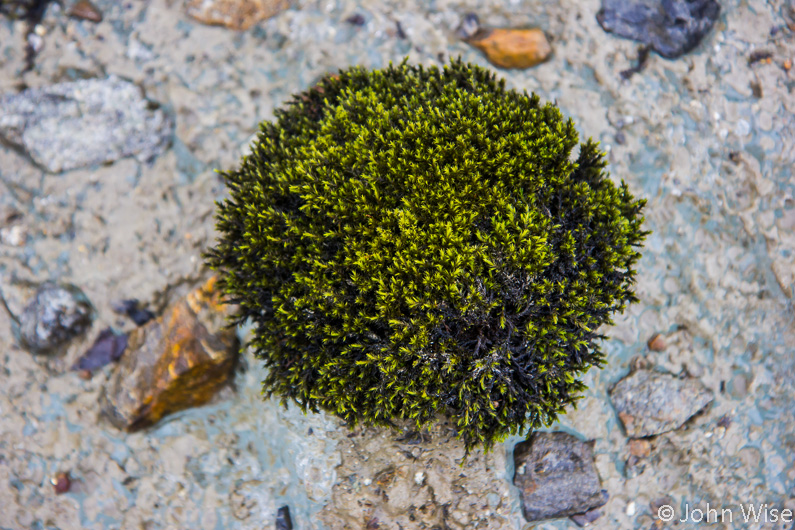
(513, 48)
(176, 361)
(234, 14)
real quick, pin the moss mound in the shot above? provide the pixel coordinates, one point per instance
(411, 242)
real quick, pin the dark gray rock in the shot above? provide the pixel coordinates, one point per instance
(84, 123)
(650, 403)
(107, 348)
(283, 520)
(56, 314)
(671, 27)
(556, 476)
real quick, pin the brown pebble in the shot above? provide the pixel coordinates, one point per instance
(513, 48)
(61, 483)
(85, 10)
(787, 65)
(656, 343)
(640, 448)
(85, 374)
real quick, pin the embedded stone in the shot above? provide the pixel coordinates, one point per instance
(174, 362)
(650, 403)
(55, 315)
(83, 123)
(234, 14)
(556, 476)
(513, 48)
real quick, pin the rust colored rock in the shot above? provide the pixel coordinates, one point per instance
(174, 362)
(656, 343)
(234, 14)
(513, 48)
(85, 10)
(61, 483)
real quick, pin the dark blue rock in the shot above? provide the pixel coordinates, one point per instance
(671, 27)
(283, 520)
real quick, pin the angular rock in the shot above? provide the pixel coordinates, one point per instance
(234, 14)
(513, 48)
(107, 348)
(650, 403)
(556, 476)
(83, 123)
(55, 315)
(671, 27)
(176, 361)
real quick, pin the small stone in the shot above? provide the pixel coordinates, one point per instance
(133, 309)
(556, 476)
(234, 14)
(634, 466)
(469, 27)
(656, 343)
(107, 348)
(14, 236)
(61, 483)
(513, 48)
(671, 27)
(83, 123)
(584, 519)
(640, 448)
(85, 375)
(85, 10)
(356, 19)
(55, 315)
(174, 362)
(650, 403)
(283, 520)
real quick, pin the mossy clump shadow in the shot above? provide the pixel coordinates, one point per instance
(413, 241)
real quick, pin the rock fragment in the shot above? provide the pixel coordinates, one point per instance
(512, 48)
(671, 27)
(132, 308)
(176, 361)
(283, 520)
(85, 10)
(107, 348)
(234, 14)
(83, 123)
(556, 476)
(55, 315)
(650, 403)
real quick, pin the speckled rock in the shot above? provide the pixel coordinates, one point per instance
(55, 315)
(556, 476)
(650, 403)
(234, 14)
(671, 27)
(84, 123)
(177, 361)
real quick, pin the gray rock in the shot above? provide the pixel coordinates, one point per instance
(671, 27)
(556, 476)
(650, 403)
(83, 123)
(56, 314)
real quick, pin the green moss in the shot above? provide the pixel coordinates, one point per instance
(414, 241)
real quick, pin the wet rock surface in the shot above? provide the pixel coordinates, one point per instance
(671, 27)
(234, 14)
(83, 123)
(556, 476)
(55, 315)
(650, 403)
(177, 361)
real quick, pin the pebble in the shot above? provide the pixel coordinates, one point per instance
(107, 348)
(656, 343)
(174, 362)
(85, 10)
(132, 308)
(469, 27)
(585, 519)
(650, 403)
(55, 315)
(61, 483)
(513, 48)
(556, 476)
(237, 15)
(283, 520)
(84, 123)
(672, 28)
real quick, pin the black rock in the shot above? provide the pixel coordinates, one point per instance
(671, 27)
(108, 348)
(556, 476)
(283, 521)
(56, 314)
(356, 19)
(132, 309)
